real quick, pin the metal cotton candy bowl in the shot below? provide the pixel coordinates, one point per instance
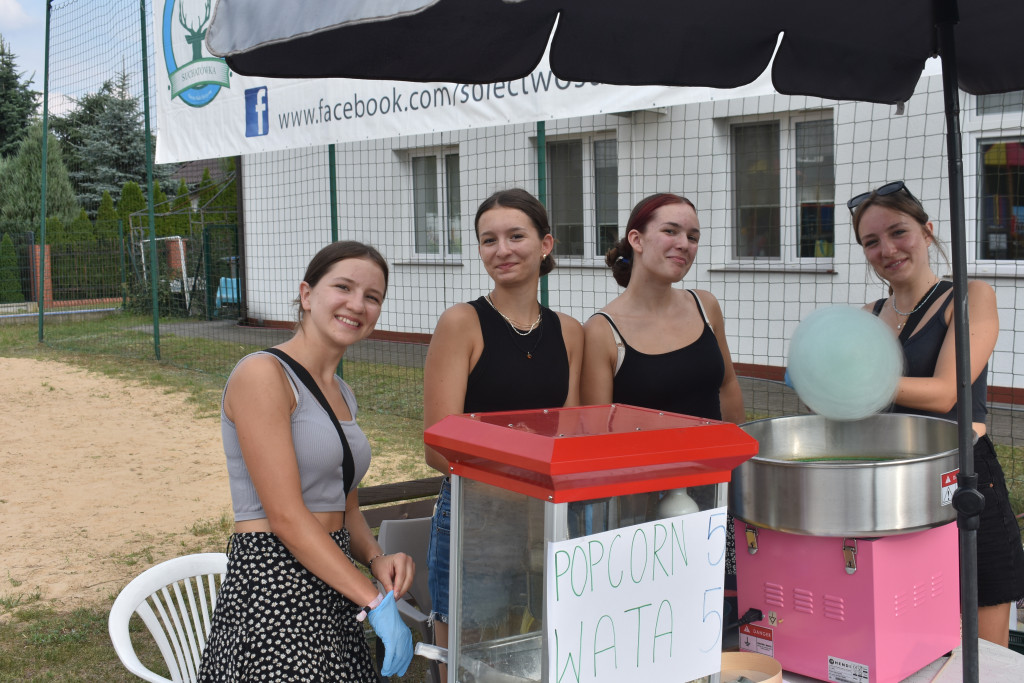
(878, 476)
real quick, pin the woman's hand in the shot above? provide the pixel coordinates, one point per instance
(395, 572)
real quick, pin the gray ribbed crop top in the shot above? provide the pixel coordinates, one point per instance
(317, 449)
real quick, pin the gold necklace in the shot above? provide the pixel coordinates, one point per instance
(511, 323)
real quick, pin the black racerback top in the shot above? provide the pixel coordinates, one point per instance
(685, 381)
(504, 378)
(921, 353)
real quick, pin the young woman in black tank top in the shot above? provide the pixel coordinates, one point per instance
(656, 345)
(503, 351)
(893, 228)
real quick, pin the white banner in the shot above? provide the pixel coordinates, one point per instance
(205, 111)
(641, 603)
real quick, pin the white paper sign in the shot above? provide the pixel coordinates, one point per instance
(638, 603)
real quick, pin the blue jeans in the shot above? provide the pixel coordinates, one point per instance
(439, 553)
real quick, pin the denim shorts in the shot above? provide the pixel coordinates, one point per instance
(438, 553)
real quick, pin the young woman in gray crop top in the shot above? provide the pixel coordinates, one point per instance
(293, 602)
(656, 340)
(892, 227)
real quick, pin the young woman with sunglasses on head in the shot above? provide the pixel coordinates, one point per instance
(292, 604)
(893, 228)
(503, 351)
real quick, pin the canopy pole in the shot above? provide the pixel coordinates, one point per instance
(967, 500)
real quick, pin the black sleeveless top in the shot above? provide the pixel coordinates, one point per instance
(921, 353)
(685, 381)
(504, 378)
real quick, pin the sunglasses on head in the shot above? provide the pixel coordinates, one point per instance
(887, 189)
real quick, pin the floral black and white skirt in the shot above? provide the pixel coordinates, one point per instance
(276, 621)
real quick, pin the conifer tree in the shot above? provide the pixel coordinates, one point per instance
(131, 201)
(21, 183)
(10, 282)
(17, 102)
(106, 218)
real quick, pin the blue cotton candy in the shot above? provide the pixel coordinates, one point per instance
(845, 363)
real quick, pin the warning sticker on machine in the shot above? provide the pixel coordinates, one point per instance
(949, 486)
(757, 639)
(843, 671)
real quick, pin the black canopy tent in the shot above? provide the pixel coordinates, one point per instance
(869, 50)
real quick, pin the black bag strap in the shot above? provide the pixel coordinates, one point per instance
(348, 467)
(915, 317)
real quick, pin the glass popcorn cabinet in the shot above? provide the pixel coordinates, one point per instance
(537, 497)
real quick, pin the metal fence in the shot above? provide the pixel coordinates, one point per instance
(210, 272)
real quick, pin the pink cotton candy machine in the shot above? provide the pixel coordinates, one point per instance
(845, 543)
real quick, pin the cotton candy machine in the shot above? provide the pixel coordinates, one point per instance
(845, 545)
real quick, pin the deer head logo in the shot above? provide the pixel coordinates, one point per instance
(196, 35)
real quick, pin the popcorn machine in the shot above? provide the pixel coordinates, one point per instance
(558, 514)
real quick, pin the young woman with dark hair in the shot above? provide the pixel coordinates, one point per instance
(293, 602)
(503, 351)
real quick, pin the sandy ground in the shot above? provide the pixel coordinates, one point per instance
(99, 479)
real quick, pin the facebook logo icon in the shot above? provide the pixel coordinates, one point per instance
(257, 112)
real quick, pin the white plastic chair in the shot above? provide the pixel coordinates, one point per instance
(412, 537)
(176, 600)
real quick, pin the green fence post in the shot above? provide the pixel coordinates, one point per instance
(124, 266)
(208, 274)
(154, 266)
(42, 188)
(333, 175)
(542, 192)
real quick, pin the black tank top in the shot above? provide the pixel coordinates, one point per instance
(685, 381)
(921, 353)
(504, 378)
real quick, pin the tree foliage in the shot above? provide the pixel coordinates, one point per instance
(81, 231)
(10, 282)
(107, 218)
(131, 201)
(21, 183)
(17, 102)
(106, 142)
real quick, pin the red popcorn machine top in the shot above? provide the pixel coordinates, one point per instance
(587, 543)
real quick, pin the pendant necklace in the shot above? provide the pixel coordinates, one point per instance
(511, 323)
(515, 332)
(906, 316)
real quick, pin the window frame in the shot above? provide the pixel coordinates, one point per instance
(590, 256)
(789, 208)
(446, 252)
(979, 128)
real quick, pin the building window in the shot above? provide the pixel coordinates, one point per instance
(436, 203)
(1001, 199)
(756, 159)
(815, 188)
(771, 211)
(583, 205)
(1002, 103)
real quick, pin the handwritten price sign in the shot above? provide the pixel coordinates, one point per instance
(638, 603)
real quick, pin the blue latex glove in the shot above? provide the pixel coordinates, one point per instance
(787, 380)
(388, 625)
